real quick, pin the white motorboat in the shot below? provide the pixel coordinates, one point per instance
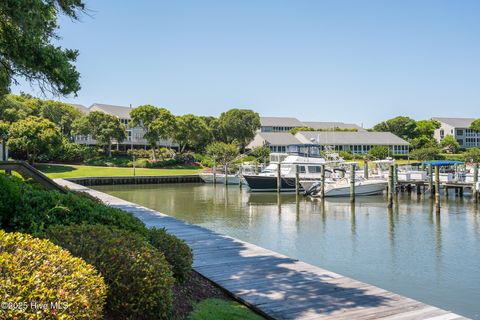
(208, 177)
(341, 188)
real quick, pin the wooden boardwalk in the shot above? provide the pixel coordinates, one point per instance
(278, 286)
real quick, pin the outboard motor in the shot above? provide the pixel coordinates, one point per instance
(315, 188)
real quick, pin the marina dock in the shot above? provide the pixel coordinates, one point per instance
(273, 284)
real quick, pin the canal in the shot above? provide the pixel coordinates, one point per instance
(411, 250)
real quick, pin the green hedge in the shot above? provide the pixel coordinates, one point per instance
(176, 251)
(138, 276)
(32, 210)
(35, 270)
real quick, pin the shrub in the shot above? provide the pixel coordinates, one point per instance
(176, 251)
(472, 155)
(33, 210)
(379, 152)
(426, 154)
(140, 153)
(35, 270)
(346, 155)
(138, 276)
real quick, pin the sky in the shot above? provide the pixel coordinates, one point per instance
(337, 60)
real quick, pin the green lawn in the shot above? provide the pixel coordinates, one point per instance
(73, 171)
(216, 309)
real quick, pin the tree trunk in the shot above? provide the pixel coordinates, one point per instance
(153, 153)
(4, 150)
(109, 149)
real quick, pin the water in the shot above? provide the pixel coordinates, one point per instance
(409, 249)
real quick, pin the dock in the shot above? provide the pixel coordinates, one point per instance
(273, 284)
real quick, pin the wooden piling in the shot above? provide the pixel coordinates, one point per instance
(279, 178)
(352, 182)
(297, 179)
(430, 180)
(475, 182)
(395, 178)
(214, 173)
(437, 184)
(365, 169)
(322, 186)
(226, 174)
(390, 186)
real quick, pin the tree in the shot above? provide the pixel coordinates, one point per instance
(423, 142)
(222, 152)
(33, 136)
(62, 114)
(4, 129)
(102, 127)
(14, 108)
(239, 126)
(450, 144)
(190, 131)
(427, 127)
(426, 154)
(27, 28)
(401, 126)
(472, 155)
(215, 129)
(379, 152)
(158, 123)
(475, 125)
(262, 154)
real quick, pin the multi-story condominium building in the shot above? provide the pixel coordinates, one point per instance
(460, 129)
(134, 134)
(285, 124)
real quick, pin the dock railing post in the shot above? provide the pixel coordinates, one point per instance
(352, 182)
(365, 169)
(297, 180)
(322, 186)
(475, 182)
(437, 184)
(430, 180)
(279, 178)
(390, 186)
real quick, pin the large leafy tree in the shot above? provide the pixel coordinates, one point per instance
(14, 108)
(401, 126)
(190, 131)
(472, 155)
(427, 127)
(103, 127)
(475, 125)
(450, 144)
(222, 153)
(33, 136)
(62, 114)
(27, 28)
(158, 123)
(239, 125)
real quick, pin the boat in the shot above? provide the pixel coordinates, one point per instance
(341, 187)
(304, 157)
(208, 177)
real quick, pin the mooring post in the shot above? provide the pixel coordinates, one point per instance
(430, 180)
(475, 182)
(390, 186)
(322, 186)
(297, 179)
(437, 184)
(240, 176)
(279, 178)
(395, 178)
(352, 182)
(365, 169)
(226, 174)
(214, 172)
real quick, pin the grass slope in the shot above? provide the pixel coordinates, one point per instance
(216, 309)
(74, 171)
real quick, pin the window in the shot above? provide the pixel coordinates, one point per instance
(459, 132)
(301, 169)
(442, 133)
(313, 169)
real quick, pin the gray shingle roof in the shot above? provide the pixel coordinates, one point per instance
(279, 138)
(456, 122)
(80, 107)
(280, 122)
(118, 111)
(331, 125)
(350, 138)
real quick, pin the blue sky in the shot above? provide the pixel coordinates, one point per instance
(351, 61)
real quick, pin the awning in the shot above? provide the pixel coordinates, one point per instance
(442, 163)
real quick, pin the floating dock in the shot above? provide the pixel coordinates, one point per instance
(275, 285)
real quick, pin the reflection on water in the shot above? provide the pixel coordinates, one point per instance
(409, 248)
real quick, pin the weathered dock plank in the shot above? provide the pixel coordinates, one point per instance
(276, 285)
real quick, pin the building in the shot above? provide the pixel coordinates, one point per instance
(276, 141)
(355, 142)
(134, 134)
(460, 129)
(285, 124)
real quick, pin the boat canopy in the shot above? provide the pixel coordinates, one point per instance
(442, 163)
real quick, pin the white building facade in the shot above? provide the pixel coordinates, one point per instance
(459, 128)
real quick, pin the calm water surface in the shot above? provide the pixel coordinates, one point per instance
(409, 249)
